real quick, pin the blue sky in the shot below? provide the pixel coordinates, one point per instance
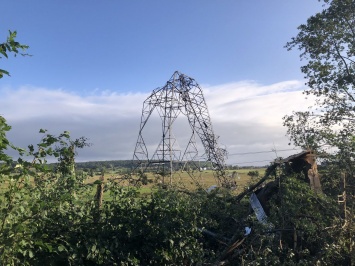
(98, 52)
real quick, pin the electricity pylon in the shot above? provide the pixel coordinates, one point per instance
(180, 95)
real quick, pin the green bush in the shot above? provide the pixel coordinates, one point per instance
(49, 216)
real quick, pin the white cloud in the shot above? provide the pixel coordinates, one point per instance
(251, 102)
(247, 116)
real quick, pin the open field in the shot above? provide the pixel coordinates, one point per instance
(199, 179)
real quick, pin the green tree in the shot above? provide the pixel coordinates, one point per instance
(11, 46)
(327, 44)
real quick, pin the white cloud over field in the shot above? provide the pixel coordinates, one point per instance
(247, 116)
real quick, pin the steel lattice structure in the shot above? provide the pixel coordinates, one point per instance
(180, 95)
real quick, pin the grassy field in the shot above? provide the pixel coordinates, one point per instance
(199, 179)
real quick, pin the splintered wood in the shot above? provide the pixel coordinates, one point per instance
(305, 162)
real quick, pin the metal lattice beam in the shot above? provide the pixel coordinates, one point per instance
(180, 95)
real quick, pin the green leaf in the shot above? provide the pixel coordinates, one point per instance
(49, 247)
(61, 248)
(4, 72)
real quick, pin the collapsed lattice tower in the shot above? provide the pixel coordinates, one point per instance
(180, 95)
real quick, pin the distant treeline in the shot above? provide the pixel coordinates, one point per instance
(105, 164)
(128, 164)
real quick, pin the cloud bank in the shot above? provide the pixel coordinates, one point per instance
(246, 115)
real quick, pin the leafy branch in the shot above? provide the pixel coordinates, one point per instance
(11, 46)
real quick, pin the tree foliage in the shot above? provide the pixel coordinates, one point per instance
(327, 44)
(11, 46)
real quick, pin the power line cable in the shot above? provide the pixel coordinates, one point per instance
(257, 152)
